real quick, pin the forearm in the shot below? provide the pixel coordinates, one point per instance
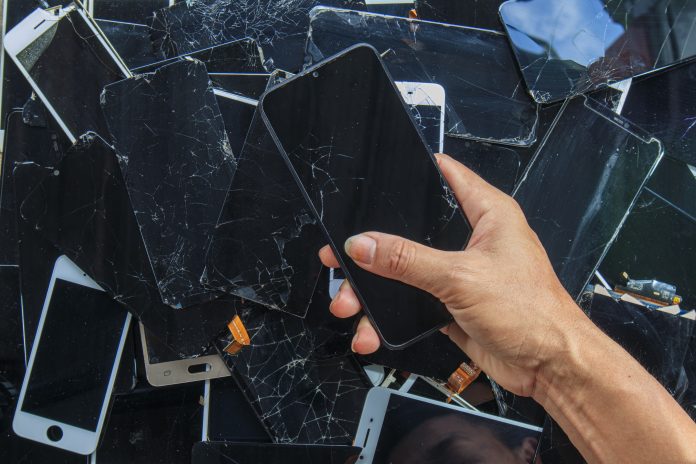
(610, 407)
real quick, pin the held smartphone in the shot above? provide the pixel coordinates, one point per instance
(427, 104)
(67, 61)
(357, 179)
(73, 363)
(400, 427)
(163, 367)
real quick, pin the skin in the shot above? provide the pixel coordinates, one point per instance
(514, 319)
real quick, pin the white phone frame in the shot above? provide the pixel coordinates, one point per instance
(177, 372)
(31, 28)
(425, 94)
(35, 427)
(375, 407)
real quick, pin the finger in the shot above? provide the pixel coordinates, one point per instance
(327, 257)
(400, 259)
(345, 303)
(476, 196)
(365, 340)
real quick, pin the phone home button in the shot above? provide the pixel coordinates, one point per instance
(54, 433)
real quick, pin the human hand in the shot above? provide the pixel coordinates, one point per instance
(511, 314)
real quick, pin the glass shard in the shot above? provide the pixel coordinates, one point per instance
(664, 104)
(591, 159)
(81, 205)
(484, 95)
(301, 397)
(265, 244)
(566, 47)
(177, 163)
(279, 26)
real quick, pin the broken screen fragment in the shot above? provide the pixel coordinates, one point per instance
(484, 96)
(567, 47)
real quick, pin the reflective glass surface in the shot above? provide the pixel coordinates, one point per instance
(567, 47)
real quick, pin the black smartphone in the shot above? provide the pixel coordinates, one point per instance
(362, 164)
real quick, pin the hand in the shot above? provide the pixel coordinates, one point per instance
(511, 314)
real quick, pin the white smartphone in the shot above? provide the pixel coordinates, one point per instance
(404, 428)
(73, 363)
(67, 60)
(163, 367)
(427, 103)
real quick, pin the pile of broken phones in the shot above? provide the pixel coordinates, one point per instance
(170, 171)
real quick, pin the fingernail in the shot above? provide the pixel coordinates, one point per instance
(356, 337)
(361, 248)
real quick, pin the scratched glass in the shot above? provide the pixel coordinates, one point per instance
(568, 47)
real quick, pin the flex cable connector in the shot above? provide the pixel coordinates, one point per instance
(240, 337)
(462, 378)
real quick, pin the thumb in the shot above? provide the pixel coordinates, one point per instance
(400, 259)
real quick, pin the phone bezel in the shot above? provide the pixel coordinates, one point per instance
(372, 418)
(177, 372)
(31, 28)
(34, 427)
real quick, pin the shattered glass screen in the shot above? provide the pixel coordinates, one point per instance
(415, 431)
(177, 163)
(302, 393)
(278, 26)
(70, 66)
(70, 374)
(593, 160)
(567, 47)
(664, 104)
(484, 93)
(364, 167)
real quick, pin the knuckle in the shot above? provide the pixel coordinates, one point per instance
(401, 256)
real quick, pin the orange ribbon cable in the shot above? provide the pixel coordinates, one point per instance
(240, 337)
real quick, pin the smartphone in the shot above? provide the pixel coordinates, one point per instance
(73, 363)
(67, 61)
(165, 367)
(404, 428)
(427, 104)
(362, 165)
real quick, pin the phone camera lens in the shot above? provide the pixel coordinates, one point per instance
(54, 433)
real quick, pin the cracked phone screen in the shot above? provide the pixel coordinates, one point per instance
(254, 453)
(671, 234)
(664, 104)
(567, 47)
(236, 56)
(70, 65)
(356, 152)
(597, 161)
(237, 113)
(427, 119)
(482, 14)
(177, 164)
(302, 391)
(81, 206)
(658, 340)
(131, 41)
(265, 244)
(485, 96)
(279, 26)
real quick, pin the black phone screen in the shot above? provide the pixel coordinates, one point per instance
(417, 431)
(71, 66)
(364, 166)
(75, 356)
(254, 453)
